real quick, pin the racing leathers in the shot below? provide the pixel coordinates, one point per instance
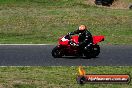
(85, 38)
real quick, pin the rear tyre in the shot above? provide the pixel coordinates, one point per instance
(57, 52)
(88, 54)
(96, 51)
(93, 52)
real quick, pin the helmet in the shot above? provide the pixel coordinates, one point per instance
(82, 27)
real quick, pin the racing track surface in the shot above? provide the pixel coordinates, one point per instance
(40, 55)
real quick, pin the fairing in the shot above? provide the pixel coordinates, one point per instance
(96, 39)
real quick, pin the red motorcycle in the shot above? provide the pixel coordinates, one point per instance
(68, 47)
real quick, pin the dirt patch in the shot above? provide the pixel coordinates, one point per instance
(91, 2)
(118, 4)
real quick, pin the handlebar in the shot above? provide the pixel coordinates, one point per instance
(72, 43)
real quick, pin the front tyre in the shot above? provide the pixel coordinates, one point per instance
(57, 52)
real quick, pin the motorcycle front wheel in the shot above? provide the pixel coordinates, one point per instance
(57, 52)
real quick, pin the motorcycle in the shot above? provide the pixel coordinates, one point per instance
(68, 47)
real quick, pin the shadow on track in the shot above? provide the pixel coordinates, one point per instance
(76, 57)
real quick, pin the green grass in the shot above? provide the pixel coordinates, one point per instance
(43, 21)
(56, 77)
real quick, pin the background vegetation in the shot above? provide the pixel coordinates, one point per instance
(43, 21)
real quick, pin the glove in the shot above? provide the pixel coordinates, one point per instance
(73, 44)
(76, 44)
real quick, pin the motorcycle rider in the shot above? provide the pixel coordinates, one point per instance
(85, 38)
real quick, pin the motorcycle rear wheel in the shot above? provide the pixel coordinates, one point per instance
(96, 51)
(88, 54)
(93, 52)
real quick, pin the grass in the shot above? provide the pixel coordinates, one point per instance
(43, 21)
(56, 77)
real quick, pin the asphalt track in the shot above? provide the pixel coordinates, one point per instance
(40, 55)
